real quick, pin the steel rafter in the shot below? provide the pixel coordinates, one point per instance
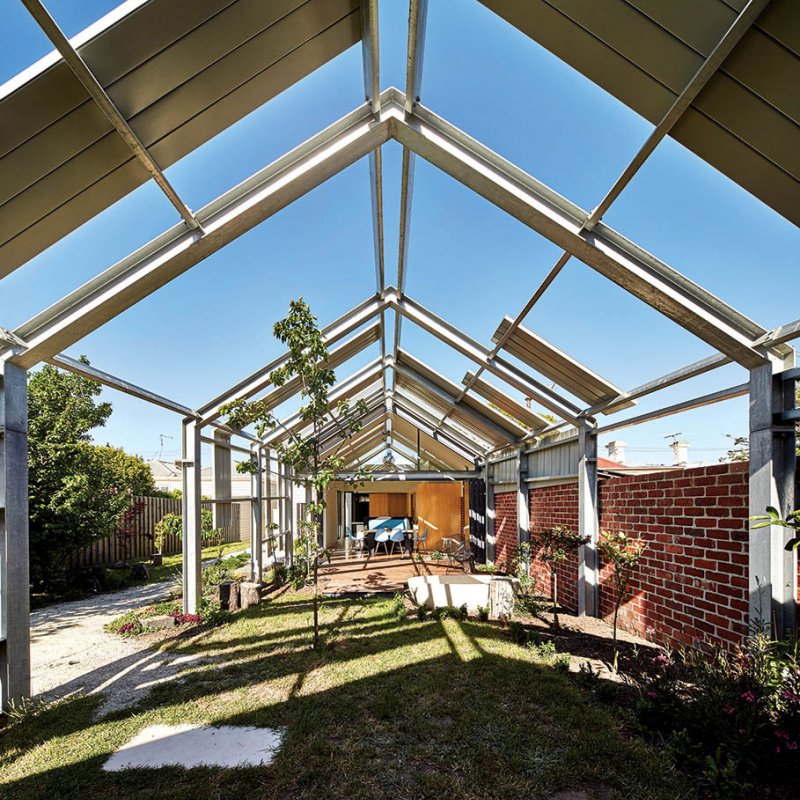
(417, 24)
(107, 106)
(602, 248)
(223, 220)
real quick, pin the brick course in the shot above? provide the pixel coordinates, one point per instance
(692, 581)
(505, 528)
(693, 578)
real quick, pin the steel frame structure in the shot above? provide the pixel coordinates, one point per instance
(456, 420)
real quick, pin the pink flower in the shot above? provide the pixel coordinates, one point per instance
(748, 697)
(651, 693)
(792, 745)
(781, 734)
(729, 710)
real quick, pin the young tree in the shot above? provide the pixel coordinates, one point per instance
(555, 545)
(313, 468)
(78, 491)
(623, 553)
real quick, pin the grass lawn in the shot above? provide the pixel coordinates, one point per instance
(388, 708)
(172, 564)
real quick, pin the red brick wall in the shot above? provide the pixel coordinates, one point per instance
(693, 577)
(551, 506)
(505, 528)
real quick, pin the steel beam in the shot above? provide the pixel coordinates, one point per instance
(449, 400)
(709, 67)
(588, 525)
(225, 219)
(343, 390)
(15, 659)
(772, 465)
(480, 354)
(523, 499)
(603, 249)
(781, 334)
(406, 408)
(257, 520)
(417, 24)
(192, 517)
(106, 379)
(670, 379)
(686, 405)
(109, 109)
(336, 357)
(261, 378)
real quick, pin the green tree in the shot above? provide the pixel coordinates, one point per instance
(312, 468)
(623, 553)
(554, 545)
(78, 490)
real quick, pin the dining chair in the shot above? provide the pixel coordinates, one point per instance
(421, 542)
(397, 537)
(358, 541)
(382, 537)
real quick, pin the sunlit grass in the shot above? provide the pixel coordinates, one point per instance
(386, 708)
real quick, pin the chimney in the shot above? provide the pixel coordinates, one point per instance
(680, 453)
(616, 451)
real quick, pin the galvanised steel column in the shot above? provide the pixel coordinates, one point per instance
(772, 575)
(257, 526)
(588, 524)
(523, 498)
(192, 516)
(15, 659)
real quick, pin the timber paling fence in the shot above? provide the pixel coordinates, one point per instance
(138, 546)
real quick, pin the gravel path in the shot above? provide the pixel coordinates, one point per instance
(70, 651)
(72, 654)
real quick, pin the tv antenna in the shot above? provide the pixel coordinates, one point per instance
(161, 437)
(673, 436)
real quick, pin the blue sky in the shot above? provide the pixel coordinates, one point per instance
(468, 261)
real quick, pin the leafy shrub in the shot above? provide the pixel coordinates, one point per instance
(731, 717)
(623, 553)
(127, 625)
(489, 567)
(173, 524)
(450, 612)
(212, 613)
(397, 608)
(518, 633)
(277, 575)
(421, 612)
(483, 613)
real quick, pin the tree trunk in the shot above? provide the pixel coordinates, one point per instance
(556, 623)
(614, 641)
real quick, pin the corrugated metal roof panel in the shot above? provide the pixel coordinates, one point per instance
(745, 122)
(179, 71)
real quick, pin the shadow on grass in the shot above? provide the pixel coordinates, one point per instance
(404, 709)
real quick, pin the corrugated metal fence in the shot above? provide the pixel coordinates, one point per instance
(139, 544)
